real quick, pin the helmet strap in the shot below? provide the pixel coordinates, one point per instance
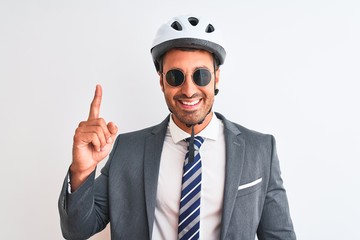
(191, 146)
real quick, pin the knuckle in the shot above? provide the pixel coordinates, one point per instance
(101, 120)
(82, 123)
(77, 130)
(77, 137)
(98, 130)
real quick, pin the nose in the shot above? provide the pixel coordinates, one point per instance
(188, 88)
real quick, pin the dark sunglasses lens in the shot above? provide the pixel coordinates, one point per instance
(174, 77)
(202, 77)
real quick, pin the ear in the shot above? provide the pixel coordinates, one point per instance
(161, 81)
(217, 78)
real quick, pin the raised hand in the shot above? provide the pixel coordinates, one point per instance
(92, 142)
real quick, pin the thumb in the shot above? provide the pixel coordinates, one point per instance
(113, 129)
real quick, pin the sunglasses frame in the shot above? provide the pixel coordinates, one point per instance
(184, 76)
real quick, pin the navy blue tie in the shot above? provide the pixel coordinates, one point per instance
(189, 215)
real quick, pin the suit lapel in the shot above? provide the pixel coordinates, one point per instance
(152, 154)
(235, 146)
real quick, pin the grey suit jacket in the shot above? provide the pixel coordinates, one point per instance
(124, 194)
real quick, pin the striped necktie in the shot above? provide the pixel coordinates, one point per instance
(189, 215)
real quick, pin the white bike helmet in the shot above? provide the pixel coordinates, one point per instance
(188, 31)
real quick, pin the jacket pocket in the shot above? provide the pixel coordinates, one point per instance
(249, 187)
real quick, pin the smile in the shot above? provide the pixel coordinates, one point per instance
(190, 103)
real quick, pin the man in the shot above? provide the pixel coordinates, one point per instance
(195, 175)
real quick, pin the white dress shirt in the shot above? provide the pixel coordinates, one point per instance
(212, 154)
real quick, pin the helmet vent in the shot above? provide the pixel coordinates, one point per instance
(210, 28)
(176, 25)
(193, 21)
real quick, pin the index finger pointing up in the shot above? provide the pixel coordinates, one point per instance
(95, 104)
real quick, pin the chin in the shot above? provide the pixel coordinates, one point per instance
(191, 120)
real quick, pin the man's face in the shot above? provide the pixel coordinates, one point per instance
(189, 102)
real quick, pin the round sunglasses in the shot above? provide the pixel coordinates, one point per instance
(176, 77)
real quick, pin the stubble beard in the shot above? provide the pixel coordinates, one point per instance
(190, 118)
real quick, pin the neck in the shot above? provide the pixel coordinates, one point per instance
(197, 127)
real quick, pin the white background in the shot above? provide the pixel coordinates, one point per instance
(292, 70)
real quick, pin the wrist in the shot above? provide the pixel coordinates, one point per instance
(78, 177)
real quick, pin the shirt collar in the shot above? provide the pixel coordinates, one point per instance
(210, 131)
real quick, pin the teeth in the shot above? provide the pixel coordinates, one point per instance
(190, 103)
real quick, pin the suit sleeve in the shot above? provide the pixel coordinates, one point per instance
(275, 220)
(85, 211)
(78, 211)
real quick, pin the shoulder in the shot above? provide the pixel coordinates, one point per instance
(247, 134)
(142, 134)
